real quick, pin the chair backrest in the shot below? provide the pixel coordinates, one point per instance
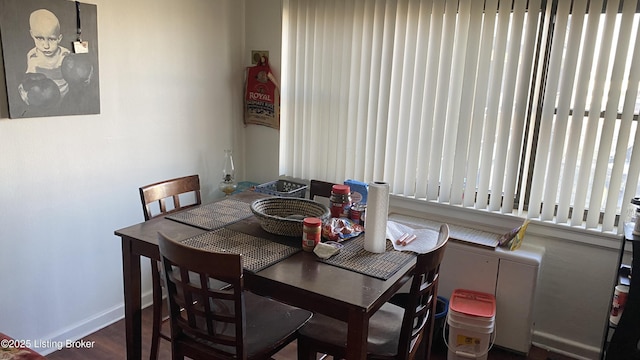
(419, 315)
(162, 191)
(199, 309)
(319, 188)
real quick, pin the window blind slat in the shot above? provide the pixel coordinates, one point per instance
(633, 176)
(348, 76)
(401, 77)
(428, 105)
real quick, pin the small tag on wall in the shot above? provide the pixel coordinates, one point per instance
(81, 47)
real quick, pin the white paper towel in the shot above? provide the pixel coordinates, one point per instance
(375, 225)
(426, 239)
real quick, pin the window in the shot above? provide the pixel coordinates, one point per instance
(522, 107)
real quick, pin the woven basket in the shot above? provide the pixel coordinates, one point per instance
(284, 188)
(283, 216)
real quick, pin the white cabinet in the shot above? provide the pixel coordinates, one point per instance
(456, 273)
(511, 276)
(516, 291)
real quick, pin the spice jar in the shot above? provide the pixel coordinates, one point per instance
(311, 230)
(340, 200)
(356, 213)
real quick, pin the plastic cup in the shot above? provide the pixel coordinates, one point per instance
(620, 295)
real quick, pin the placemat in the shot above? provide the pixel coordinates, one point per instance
(354, 257)
(257, 253)
(215, 215)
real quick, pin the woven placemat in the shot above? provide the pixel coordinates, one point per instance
(215, 215)
(354, 257)
(257, 253)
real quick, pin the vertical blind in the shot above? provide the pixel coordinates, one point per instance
(587, 159)
(495, 105)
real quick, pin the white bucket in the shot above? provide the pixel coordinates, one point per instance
(470, 336)
(467, 341)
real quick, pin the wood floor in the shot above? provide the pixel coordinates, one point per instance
(110, 345)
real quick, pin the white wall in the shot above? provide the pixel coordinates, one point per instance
(170, 77)
(264, 32)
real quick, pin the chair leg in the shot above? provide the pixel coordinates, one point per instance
(304, 351)
(157, 310)
(175, 352)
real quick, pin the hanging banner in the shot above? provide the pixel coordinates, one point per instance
(262, 96)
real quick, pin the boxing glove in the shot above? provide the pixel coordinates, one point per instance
(38, 90)
(77, 69)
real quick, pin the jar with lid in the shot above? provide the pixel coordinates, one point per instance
(311, 231)
(340, 200)
(356, 213)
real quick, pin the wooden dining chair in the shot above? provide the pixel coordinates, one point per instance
(212, 323)
(157, 199)
(319, 188)
(169, 196)
(394, 332)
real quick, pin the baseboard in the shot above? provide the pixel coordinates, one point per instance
(565, 347)
(75, 332)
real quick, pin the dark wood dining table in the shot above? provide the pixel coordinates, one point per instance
(300, 280)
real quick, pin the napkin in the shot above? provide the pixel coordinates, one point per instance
(325, 251)
(426, 239)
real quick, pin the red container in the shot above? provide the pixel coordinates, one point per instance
(311, 233)
(340, 200)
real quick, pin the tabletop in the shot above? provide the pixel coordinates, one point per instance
(300, 279)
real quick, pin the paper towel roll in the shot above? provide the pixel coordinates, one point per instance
(375, 226)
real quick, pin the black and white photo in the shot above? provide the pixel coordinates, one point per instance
(50, 53)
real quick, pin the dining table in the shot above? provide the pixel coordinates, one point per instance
(351, 291)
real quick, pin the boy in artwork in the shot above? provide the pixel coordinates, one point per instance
(44, 62)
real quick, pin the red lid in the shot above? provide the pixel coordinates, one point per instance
(311, 221)
(341, 189)
(473, 303)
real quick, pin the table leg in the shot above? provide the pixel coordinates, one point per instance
(132, 300)
(357, 333)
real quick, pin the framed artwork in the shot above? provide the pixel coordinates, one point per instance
(50, 57)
